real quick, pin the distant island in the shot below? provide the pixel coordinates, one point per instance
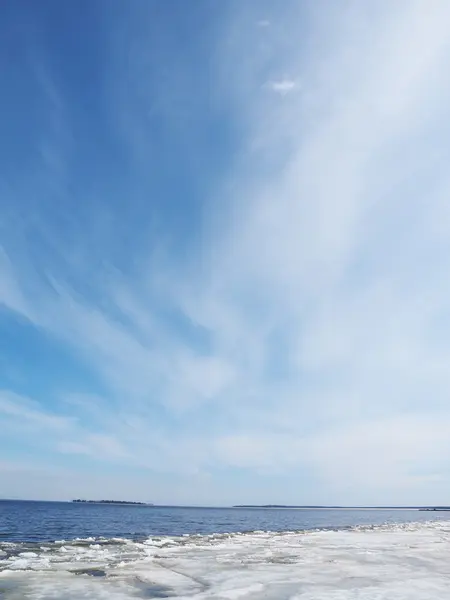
(112, 502)
(438, 508)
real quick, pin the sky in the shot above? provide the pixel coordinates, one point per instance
(225, 251)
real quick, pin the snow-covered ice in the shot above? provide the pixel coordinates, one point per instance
(392, 562)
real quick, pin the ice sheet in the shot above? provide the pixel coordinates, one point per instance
(408, 562)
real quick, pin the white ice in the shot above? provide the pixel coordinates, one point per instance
(407, 562)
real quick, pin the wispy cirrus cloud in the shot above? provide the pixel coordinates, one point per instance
(26, 412)
(305, 321)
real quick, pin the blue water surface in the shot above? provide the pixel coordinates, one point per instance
(23, 521)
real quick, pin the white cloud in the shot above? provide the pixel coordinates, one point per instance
(329, 249)
(283, 86)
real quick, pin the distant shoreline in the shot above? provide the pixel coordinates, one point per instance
(119, 502)
(241, 506)
(281, 507)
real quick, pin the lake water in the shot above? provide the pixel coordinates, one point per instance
(73, 551)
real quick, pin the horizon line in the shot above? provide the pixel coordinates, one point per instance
(261, 506)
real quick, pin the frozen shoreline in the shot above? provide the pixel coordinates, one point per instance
(407, 561)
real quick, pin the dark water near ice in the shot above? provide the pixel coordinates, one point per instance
(49, 521)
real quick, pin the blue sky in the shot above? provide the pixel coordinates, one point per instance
(225, 251)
